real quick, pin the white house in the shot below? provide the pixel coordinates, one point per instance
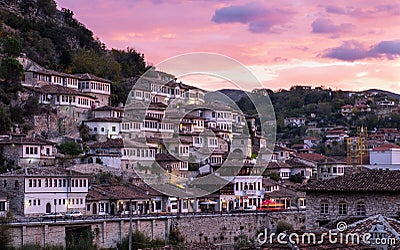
(107, 153)
(294, 121)
(96, 86)
(34, 191)
(109, 127)
(24, 151)
(385, 157)
(108, 111)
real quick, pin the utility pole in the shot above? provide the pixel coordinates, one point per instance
(130, 225)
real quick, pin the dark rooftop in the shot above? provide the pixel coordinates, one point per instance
(365, 181)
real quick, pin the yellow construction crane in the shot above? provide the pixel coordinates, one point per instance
(357, 147)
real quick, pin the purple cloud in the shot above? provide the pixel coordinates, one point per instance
(335, 9)
(259, 18)
(383, 9)
(323, 25)
(348, 51)
(353, 50)
(391, 49)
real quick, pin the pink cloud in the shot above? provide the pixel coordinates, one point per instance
(256, 33)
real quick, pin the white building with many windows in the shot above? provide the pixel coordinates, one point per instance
(36, 191)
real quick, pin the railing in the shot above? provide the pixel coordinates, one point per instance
(161, 215)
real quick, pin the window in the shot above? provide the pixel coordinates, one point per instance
(113, 128)
(360, 208)
(342, 208)
(324, 208)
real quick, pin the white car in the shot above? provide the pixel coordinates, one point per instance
(73, 214)
(53, 215)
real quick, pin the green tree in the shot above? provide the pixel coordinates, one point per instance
(11, 46)
(5, 234)
(176, 238)
(140, 241)
(11, 71)
(5, 121)
(70, 148)
(274, 176)
(283, 226)
(297, 178)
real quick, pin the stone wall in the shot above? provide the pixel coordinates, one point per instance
(215, 228)
(375, 203)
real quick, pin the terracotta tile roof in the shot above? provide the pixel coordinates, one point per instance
(165, 157)
(118, 192)
(42, 171)
(284, 192)
(58, 89)
(110, 143)
(316, 157)
(277, 165)
(266, 181)
(362, 226)
(24, 140)
(296, 163)
(385, 147)
(105, 119)
(364, 181)
(88, 76)
(108, 108)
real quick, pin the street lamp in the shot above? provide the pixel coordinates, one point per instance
(130, 225)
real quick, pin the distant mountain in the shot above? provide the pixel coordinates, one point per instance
(389, 94)
(234, 94)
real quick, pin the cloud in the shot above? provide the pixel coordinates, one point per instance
(353, 50)
(389, 48)
(260, 18)
(382, 10)
(335, 9)
(324, 25)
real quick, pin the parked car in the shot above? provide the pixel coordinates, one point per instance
(73, 214)
(237, 210)
(250, 208)
(53, 215)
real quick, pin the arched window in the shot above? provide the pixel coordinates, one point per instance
(360, 208)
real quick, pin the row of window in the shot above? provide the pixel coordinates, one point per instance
(56, 79)
(32, 150)
(70, 99)
(343, 208)
(113, 129)
(34, 203)
(76, 201)
(248, 186)
(134, 125)
(48, 182)
(94, 86)
(139, 152)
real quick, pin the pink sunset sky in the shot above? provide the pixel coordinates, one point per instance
(352, 45)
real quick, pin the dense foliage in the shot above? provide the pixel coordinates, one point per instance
(56, 40)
